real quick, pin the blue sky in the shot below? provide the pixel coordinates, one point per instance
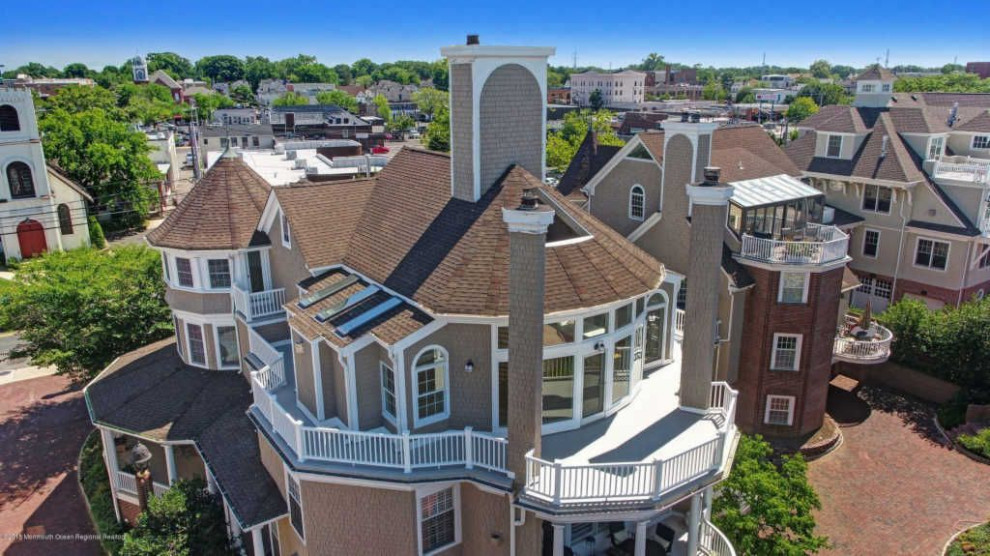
(721, 33)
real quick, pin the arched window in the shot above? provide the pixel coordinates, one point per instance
(432, 385)
(637, 202)
(64, 219)
(19, 178)
(8, 118)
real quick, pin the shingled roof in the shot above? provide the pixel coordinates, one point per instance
(876, 72)
(151, 393)
(220, 212)
(589, 159)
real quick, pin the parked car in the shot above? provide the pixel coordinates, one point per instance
(380, 149)
(413, 134)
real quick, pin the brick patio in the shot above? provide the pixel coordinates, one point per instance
(893, 487)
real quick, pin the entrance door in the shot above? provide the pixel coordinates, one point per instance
(31, 237)
(255, 272)
(594, 385)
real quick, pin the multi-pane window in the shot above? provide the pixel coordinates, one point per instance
(437, 519)
(834, 146)
(197, 346)
(219, 273)
(885, 87)
(295, 505)
(981, 141)
(985, 259)
(388, 391)
(431, 383)
(882, 288)
(786, 352)
(931, 254)
(595, 325)
(227, 344)
(793, 287)
(871, 243)
(935, 147)
(867, 88)
(780, 410)
(637, 203)
(877, 198)
(183, 267)
(623, 315)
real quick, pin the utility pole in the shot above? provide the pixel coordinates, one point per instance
(886, 60)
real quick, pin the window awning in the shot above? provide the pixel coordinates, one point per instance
(772, 190)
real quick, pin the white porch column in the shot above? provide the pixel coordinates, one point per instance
(694, 525)
(558, 539)
(173, 474)
(640, 549)
(706, 511)
(110, 460)
(257, 541)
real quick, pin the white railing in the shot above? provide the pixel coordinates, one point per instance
(587, 483)
(463, 448)
(876, 349)
(713, 542)
(963, 168)
(270, 356)
(821, 245)
(127, 483)
(678, 323)
(255, 305)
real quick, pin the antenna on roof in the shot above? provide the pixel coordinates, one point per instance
(886, 60)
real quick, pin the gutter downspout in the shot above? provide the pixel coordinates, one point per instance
(900, 249)
(965, 274)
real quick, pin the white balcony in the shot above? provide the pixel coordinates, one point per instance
(816, 245)
(258, 305)
(678, 323)
(127, 484)
(867, 347)
(962, 169)
(714, 542)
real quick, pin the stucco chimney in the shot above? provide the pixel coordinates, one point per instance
(498, 101)
(710, 201)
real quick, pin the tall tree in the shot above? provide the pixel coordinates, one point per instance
(766, 508)
(381, 104)
(313, 72)
(291, 98)
(825, 94)
(257, 68)
(220, 68)
(438, 71)
(438, 132)
(173, 64)
(343, 72)
(430, 100)
(338, 98)
(595, 100)
(652, 62)
(186, 519)
(800, 108)
(75, 98)
(77, 70)
(242, 95)
(713, 91)
(821, 69)
(363, 66)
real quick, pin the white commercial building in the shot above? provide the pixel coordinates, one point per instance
(622, 87)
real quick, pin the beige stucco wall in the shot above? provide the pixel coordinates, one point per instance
(927, 207)
(367, 380)
(967, 198)
(288, 267)
(611, 201)
(885, 262)
(198, 303)
(470, 393)
(961, 144)
(302, 360)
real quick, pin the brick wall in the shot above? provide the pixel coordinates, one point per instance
(512, 115)
(129, 512)
(945, 295)
(898, 377)
(816, 321)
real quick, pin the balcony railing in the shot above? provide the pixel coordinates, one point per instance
(406, 452)
(563, 484)
(270, 357)
(127, 483)
(256, 305)
(963, 168)
(713, 542)
(819, 245)
(678, 323)
(873, 347)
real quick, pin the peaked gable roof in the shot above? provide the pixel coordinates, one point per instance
(165, 79)
(220, 212)
(876, 72)
(586, 163)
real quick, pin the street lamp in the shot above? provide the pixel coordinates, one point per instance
(140, 459)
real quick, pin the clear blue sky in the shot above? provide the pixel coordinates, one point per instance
(720, 33)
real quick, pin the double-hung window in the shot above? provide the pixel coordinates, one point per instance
(431, 385)
(936, 146)
(219, 270)
(183, 267)
(932, 254)
(793, 287)
(227, 347)
(780, 410)
(981, 141)
(438, 520)
(388, 392)
(197, 345)
(877, 198)
(871, 243)
(834, 146)
(295, 505)
(637, 202)
(786, 352)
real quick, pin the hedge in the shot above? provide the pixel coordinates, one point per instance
(96, 485)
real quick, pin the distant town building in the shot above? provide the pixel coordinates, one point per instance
(239, 116)
(558, 95)
(621, 87)
(166, 159)
(46, 86)
(139, 69)
(159, 77)
(219, 137)
(979, 68)
(777, 81)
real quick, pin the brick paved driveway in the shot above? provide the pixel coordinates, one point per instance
(893, 488)
(43, 423)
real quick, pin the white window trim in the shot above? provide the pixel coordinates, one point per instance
(914, 257)
(395, 396)
(216, 345)
(893, 199)
(206, 359)
(208, 282)
(804, 292)
(791, 402)
(285, 231)
(192, 271)
(642, 192)
(797, 354)
(426, 491)
(972, 144)
(445, 414)
(863, 249)
(828, 139)
(302, 509)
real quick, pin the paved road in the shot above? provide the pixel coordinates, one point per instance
(893, 487)
(43, 423)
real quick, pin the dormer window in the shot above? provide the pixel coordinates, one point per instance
(885, 87)
(981, 141)
(834, 146)
(867, 88)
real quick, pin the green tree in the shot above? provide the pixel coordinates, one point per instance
(563, 144)
(438, 132)
(401, 124)
(207, 104)
(148, 104)
(291, 98)
(364, 80)
(257, 68)
(801, 108)
(109, 76)
(220, 68)
(821, 69)
(77, 70)
(338, 98)
(713, 91)
(430, 100)
(438, 71)
(766, 508)
(313, 72)
(948, 83)
(75, 98)
(652, 62)
(80, 309)
(381, 104)
(363, 66)
(745, 95)
(595, 100)
(185, 520)
(33, 69)
(843, 72)
(825, 94)
(242, 95)
(170, 62)
(952, 68)
(343, 72)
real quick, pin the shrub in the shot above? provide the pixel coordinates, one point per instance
(185, 519)
(953, 413)
(975, 542)
(96, 237)
(96, 486)
(978, 443)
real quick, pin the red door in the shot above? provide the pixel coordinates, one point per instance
(31, 236)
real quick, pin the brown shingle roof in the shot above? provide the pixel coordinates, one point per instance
(837, 118)
(324, 210)
(150, 392)
(586, 163)
(220, 212)
(451, 256)
(876, 72)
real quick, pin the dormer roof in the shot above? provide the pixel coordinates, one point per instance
(876, 72)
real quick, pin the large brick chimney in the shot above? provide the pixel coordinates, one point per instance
(528, 225)
(709, 201)
(498, 98)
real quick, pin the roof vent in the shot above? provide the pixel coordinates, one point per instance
(712, 174)
(473, 40)
(529, 199)
(685, 116)
(695, 117)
